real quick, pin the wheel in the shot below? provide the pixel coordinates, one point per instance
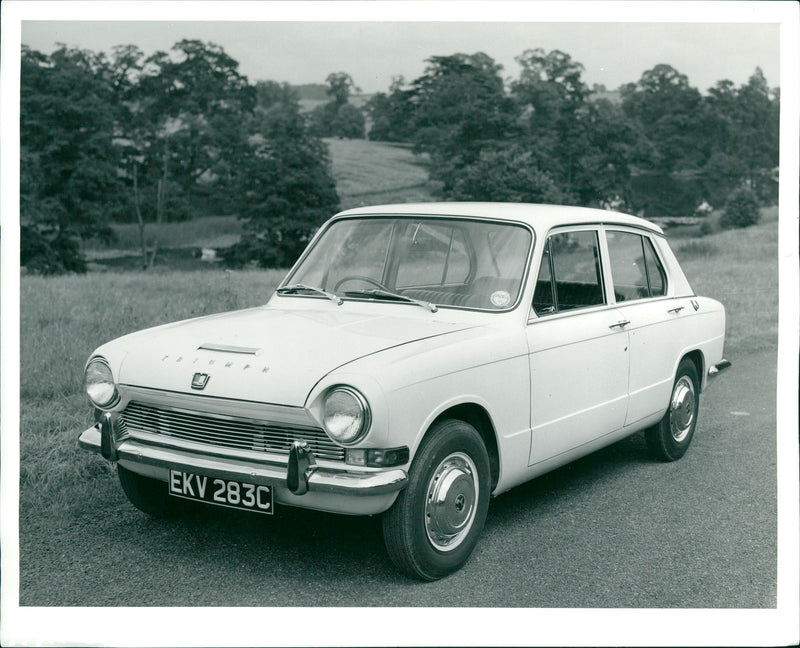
(146, 494)
(368, 280)
(434, 524)
(669, 439)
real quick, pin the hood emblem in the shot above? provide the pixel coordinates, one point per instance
(200, 380)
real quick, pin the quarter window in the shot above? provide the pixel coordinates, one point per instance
(655, 271)
(569, 276)
(635, 268)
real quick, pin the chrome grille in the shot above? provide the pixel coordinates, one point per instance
(226, 432)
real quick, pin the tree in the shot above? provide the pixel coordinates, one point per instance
(391, 114)
(670, 114)
(744, 127)
(283, 181)
(338, 117)
(349, 122)
(135, 133)
(195, 101)
(551, 84)
(510, 174)
(68, 161)
(340, 86)
(552, 98)
(459, 108)
(603, 156)
(758, 127)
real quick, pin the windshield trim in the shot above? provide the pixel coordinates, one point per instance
(388, 215)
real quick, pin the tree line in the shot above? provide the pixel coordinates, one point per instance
(129, 137)
(546, 136)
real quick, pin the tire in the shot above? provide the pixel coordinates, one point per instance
(146, 494)
(669, 439)
(451, 466)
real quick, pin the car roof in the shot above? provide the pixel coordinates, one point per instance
(540, 217)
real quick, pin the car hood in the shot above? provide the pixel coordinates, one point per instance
(263, 354)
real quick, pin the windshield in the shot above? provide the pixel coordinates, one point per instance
(447, 262)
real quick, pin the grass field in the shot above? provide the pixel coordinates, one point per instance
(64, 318)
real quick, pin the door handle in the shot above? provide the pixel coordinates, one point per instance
(677, 309)
(620, 324)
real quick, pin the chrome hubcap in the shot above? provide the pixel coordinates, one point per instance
(450, 501)
(682, 409)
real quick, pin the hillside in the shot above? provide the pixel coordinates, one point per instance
(377, 172)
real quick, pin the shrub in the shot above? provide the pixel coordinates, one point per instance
(741, 210)
(45, 254)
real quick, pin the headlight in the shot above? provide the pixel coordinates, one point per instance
(345, 415)
(100, 383)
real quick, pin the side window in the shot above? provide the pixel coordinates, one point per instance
(635, 268)
(628, 270)
(571, 267)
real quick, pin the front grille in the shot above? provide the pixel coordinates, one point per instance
(226, 432)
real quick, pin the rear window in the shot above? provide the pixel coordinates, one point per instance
(635, 268)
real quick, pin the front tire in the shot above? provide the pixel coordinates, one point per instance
(146, 494)
(434, 524)
(669, 439)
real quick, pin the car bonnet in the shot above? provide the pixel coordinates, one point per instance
(265, 354)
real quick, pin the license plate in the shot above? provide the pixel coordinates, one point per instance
(222, 492)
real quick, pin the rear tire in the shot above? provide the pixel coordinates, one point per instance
(434, 524)
(669, 439)
(148, 495)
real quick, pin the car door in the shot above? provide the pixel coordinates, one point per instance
(640, 290)
(577, 348)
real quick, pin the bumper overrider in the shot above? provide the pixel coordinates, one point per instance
(297, 480)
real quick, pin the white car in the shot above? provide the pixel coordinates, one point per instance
(417, 360)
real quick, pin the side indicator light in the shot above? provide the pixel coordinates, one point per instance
(377, 457)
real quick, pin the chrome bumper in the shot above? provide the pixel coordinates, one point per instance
(299, 474)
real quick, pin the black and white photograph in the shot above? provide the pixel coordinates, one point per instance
(399, 323)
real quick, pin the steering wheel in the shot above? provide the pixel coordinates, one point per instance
(368, 280)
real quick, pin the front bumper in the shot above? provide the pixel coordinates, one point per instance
(298, 481)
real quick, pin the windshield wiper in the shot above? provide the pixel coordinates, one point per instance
(293, 288)
(385, 294)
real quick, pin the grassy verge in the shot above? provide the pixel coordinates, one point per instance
(64, 318)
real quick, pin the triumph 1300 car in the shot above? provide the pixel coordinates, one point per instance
(416, 361)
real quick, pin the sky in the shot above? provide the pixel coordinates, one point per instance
(612, 53)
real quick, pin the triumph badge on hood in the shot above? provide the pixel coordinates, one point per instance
(200, 380)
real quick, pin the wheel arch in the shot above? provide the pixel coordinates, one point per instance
(697, 357)
(477, 416)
